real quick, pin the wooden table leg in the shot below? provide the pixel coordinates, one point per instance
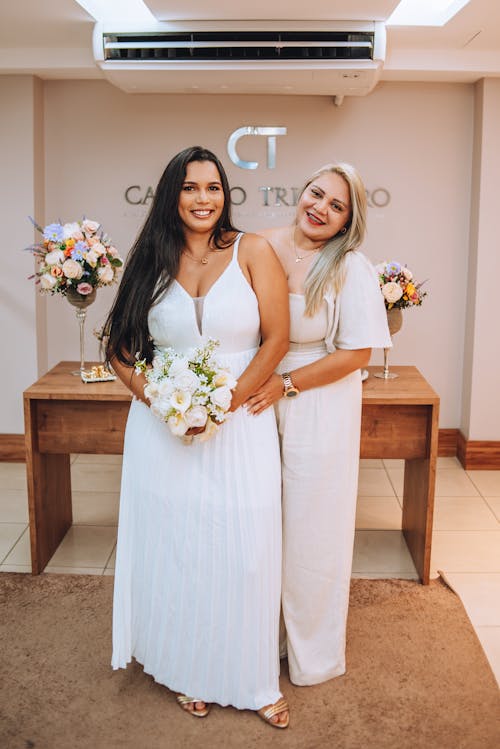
(49, 495)
(418, 500)
(417, 515)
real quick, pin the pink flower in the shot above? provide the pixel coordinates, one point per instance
(84, 289)
(90, 227)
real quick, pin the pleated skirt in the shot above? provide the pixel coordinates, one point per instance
(320, 436)
(198, 564)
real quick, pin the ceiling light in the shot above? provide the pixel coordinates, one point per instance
(425, 12)
(126, 11)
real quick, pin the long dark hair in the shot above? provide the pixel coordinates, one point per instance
(153, 261)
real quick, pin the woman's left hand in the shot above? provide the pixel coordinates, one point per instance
(270, 392)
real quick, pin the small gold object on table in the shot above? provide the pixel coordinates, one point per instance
(98, 373)
(395, 322)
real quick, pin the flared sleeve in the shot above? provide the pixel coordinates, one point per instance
(357, 316)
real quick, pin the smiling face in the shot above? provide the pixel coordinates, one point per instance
(201, 199)
(324, 207)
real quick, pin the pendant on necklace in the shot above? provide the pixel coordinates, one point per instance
(204, 260)
(299, 259)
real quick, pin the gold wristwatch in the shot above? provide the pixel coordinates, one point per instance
(289, 389)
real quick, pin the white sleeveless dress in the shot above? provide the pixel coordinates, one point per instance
(320, 434)
(198, 565)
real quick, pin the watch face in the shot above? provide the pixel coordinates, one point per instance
(291, 393)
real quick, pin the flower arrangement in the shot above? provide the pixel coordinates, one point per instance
(76, 256)
(398, 285)
(188, 391)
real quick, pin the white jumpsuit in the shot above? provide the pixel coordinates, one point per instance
(320, 434)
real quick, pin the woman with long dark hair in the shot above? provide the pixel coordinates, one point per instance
(197, 578)
(337, 315)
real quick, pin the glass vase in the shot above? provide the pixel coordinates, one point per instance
(394, 322)
(81, 302)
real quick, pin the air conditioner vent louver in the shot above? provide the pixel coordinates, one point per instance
(244, 46)
(325, 58)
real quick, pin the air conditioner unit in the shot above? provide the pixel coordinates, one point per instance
(253, 57)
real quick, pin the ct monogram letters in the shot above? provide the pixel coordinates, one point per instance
(269, 132)
(270, 196)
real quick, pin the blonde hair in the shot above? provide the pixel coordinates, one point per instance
(327, 272)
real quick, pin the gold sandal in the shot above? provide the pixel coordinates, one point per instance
(183, 700)
(269, 712)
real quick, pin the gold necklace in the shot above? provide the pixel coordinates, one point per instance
(309, 253)
(203, 260)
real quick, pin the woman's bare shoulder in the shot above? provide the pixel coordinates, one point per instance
(276, 234)
(254, 244)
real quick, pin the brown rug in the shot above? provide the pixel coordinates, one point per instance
(417, 677)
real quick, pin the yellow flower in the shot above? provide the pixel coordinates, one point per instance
(70, 242)
(410, 289)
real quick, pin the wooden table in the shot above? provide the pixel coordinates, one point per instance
(63, 415)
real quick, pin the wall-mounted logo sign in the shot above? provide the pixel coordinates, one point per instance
(270, 196)
(269, 132)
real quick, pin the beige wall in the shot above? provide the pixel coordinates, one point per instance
(481, 405)
(21, 159)
(414, 140)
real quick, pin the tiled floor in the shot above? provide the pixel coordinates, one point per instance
(466, 538)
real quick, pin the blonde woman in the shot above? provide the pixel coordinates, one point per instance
(337, 317)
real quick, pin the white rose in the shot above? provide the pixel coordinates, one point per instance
(165, 388)
(380, 268)
(54, 257)
(178, 366)
(157, 361)
(91, 257)
(72, 230)
(155, 391)
(392, 292)
(225, 378)
(196, 416)
(159, 407)
(177, 425)
(221, 397)
(90, 227)
(105, 273)
(407, 273)
(186, 380)
(47, 281)
(151, 390)
(180, 400)
(99, 248)
(72, 269)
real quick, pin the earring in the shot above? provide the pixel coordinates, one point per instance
(343, 230)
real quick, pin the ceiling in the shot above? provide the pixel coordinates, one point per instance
(53, 38)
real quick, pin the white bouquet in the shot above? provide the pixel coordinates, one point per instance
(188, 391)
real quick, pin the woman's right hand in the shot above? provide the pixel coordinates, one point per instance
(268, 394)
